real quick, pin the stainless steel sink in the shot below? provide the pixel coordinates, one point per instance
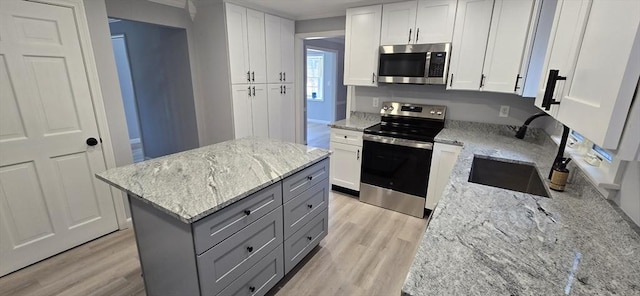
(515, 176)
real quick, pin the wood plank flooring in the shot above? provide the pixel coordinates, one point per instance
(368, 251)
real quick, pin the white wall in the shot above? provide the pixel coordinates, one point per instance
(628, 198)
(461, 105)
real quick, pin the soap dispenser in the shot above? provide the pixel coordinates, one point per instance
(559, 175)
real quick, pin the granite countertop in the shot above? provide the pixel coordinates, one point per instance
(483, 240)
(358, 121)
(193, 184)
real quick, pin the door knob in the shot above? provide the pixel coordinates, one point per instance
(92, 142)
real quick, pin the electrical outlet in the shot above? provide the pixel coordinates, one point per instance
(504, 111)
(376, 102)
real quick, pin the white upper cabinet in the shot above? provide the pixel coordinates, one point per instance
(237, 38)
(503, 64)
(435, 20)
(279, 49)
(246, 39)
(362, 41)
(599, 89)
(418, 22)
(398, 23)
(473, 18)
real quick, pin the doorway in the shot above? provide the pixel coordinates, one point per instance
(155, 82)
(324, 92)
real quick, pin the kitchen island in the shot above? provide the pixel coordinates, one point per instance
(226, 218)
(484, 240)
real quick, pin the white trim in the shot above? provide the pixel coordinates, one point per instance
(91, 70)
(301, 100)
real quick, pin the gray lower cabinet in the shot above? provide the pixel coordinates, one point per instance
(243, 249)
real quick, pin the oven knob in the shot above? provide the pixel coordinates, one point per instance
(390, 108)
(439, 112)
(432, 112)
(385, 108)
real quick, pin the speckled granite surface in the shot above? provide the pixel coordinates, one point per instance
(195, 183)
(483, 240)
(357, 122)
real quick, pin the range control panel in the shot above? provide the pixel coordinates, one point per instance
(413, 110)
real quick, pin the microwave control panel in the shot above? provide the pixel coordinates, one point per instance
(437, 64)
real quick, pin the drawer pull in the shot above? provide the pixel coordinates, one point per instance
(309, 237)
(345, 137)
(310, 178)
(252, 289)
(310, 206)
(247, 212)
(250, 249)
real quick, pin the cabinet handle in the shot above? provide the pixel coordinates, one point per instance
(482, 80)
(254, 91)
(310, 178)
(358, 155)
(309, 237)
(284, 87)
(253, 76)
(310, 206)
(280, 76)
(409, 35)
(516, 87)
(252, 289)
(250, 249)
(280, 89)
(284, 76)
(451, 80)
(373, 77)
(247, 212)
(548, 100)
(345, 137)
(249, 88)
(249, 76)
(417, 34)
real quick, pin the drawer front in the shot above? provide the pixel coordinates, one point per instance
(346, 137)
(305, 179)
(304, 240)
(260, 278)
(302, 208)
(213, 229)
(224, 263)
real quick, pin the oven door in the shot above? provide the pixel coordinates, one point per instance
(396, 164)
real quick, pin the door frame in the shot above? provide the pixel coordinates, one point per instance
(335, 75)
(91, 69)
(301, 100)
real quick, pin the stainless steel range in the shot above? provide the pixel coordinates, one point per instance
(397, 156)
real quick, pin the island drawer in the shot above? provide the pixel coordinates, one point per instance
(221, 265)
(304, 240)
(346, 137)
(214, 228)
(303, 180)
(302, 208)
(260, 278)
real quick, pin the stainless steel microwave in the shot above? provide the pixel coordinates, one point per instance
(414, 63)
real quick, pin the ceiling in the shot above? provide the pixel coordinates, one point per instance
(308, 9)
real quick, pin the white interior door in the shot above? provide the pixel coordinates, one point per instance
(50, 200)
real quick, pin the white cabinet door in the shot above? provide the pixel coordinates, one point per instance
(272, 26)
(362, 41)
(566, 35)
(288, 118)
(287, 45)
(442, 162)
(50, 200)
(345, 165)
(281, 112)
(242, 121)
(435, 20)
(259, 110)
(398, 23)
(237, 40)
(470, 35)
(256, 42)
(598, 93)
(506, 46)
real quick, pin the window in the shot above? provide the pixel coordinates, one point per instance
(315, 72)
(602, 153)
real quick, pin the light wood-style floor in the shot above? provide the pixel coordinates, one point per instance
(318, 134)
(368, 251)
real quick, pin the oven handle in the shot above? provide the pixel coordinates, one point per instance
(399, 142)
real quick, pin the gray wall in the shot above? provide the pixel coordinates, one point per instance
(335, 108)
(321, 25)
(161, 74)
(126, 87)
(462, 105)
